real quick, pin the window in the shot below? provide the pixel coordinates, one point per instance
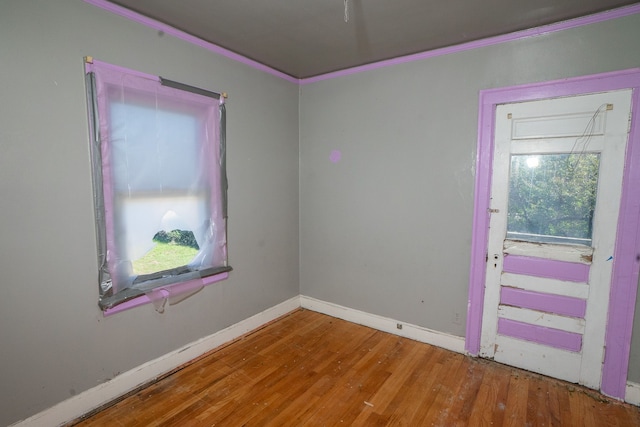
(158, 157)
(552, 198)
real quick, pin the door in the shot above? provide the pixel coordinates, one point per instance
(555, 197)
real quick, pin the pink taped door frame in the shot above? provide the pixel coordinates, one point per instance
(627, 246)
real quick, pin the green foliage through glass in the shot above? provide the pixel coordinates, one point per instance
(552, 197)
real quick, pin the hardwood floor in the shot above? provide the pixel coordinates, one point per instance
(309, 369)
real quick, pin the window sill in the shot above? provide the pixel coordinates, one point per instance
(184, 287)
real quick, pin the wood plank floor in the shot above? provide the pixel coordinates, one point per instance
(309, 369)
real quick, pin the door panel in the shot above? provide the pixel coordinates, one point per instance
(556, 363)
(555, 197)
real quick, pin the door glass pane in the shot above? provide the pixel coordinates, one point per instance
(552, 197)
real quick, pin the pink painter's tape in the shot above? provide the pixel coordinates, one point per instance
(533, 32)
(91, 66)
(179, 287)
(624, 282)
(335, 156)
(557, 304)
(490, 41)
(552, 269)
(152, 23)
(540, 335)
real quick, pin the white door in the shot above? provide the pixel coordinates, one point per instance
(555, 197)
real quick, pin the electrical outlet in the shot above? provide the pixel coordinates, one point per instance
(399, 325)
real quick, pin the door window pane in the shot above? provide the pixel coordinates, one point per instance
(552, 197)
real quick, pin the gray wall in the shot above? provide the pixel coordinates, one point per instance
(387, 230)
(54, 341)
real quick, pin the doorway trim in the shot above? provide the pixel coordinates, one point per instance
(626, 265)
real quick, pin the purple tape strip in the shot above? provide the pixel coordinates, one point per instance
(141, 19)
(557, 304)
(176, 288)
(625, 266)
(540, 267)
(572, 23)
(541, 335)
(626, 257)
(533, 32)
(91, 66)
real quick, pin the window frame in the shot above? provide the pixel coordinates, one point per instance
(177, 283)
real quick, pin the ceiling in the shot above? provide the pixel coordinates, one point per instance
(306, 38)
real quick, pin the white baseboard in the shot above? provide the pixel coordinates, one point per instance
(414, 332)
(102, 394)
(632, 394)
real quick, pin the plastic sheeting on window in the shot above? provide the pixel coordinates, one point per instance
(158, 155)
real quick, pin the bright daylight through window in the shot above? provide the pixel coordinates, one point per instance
(158, 157)
(552, 197)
